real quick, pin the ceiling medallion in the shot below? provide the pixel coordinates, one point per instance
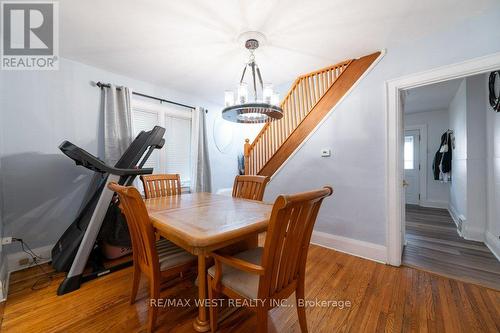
(265, 106)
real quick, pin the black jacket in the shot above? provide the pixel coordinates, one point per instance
(443, 159)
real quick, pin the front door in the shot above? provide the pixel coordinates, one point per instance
(412, 166)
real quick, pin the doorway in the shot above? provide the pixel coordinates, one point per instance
(443, 231)
(395, 141)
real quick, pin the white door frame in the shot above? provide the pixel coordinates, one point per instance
(422, 158)
(394, 141)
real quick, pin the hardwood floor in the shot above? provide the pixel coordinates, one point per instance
(434, 245)
(383, 298)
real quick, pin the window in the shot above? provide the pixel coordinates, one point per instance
(175, 156)
(144, 121)
(408, 153)
(178, 147)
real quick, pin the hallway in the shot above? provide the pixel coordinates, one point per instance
(433, 245)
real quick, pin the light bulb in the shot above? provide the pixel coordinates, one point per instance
(267, 93)
(228, 98)
(242, 93)
(275, 100)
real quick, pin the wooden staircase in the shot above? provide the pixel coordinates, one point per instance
(308, 101)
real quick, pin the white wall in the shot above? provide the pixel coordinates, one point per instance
(356, 132)
(468, 187)
(458, 123)
(437, 122)
(493, 174)
(42, 188)
(476, 159)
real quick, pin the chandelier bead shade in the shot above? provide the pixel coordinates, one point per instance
(265, 105)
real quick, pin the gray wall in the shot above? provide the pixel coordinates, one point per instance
(437, 122)
(356, 132)
(476, 159)
(458, 123)
(42, 188)
(468, 187)
(493, 176)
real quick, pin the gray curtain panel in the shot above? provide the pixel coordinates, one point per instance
(201, 179)
(117, 123)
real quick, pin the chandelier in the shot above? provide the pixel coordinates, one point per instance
(263, 108)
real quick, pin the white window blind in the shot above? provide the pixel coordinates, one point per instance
(178, 147)
(145, 121)
(175, 156)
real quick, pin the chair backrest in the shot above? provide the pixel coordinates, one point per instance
(250, 187)
(287, 241)
(140, 227)
(162, 185)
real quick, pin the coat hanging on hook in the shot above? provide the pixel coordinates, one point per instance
(441, 166)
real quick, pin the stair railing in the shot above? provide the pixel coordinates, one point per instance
(305, 93)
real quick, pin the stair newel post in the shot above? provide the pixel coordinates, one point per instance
(246, 153)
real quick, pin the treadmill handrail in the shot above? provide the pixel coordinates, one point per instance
(131, 172)
(84, 158)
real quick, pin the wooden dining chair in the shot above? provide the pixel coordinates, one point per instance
(157, 259)
(250, 187)
(161, 185)
(276, 271)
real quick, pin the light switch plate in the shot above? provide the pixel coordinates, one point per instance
(325, 152)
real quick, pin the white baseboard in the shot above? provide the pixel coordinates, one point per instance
(473, 234)
(13, 258)
(355, 247)
(463, 229)
(458, 219)
(434, 204)
(493, 243)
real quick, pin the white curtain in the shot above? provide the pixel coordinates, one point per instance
(117, 123)
(201, 180)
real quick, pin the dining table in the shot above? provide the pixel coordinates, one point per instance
(204, 222)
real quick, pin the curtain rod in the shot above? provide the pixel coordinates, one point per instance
(107, 85)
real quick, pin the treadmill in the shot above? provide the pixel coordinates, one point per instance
(72, 251)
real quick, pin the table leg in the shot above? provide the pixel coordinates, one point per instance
(201, 323)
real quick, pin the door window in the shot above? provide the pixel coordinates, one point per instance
(409, 162)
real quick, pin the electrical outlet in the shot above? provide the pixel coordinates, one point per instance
(24, 262)
(6, 240)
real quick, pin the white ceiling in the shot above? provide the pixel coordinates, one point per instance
(192, 45)
(431, 97)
